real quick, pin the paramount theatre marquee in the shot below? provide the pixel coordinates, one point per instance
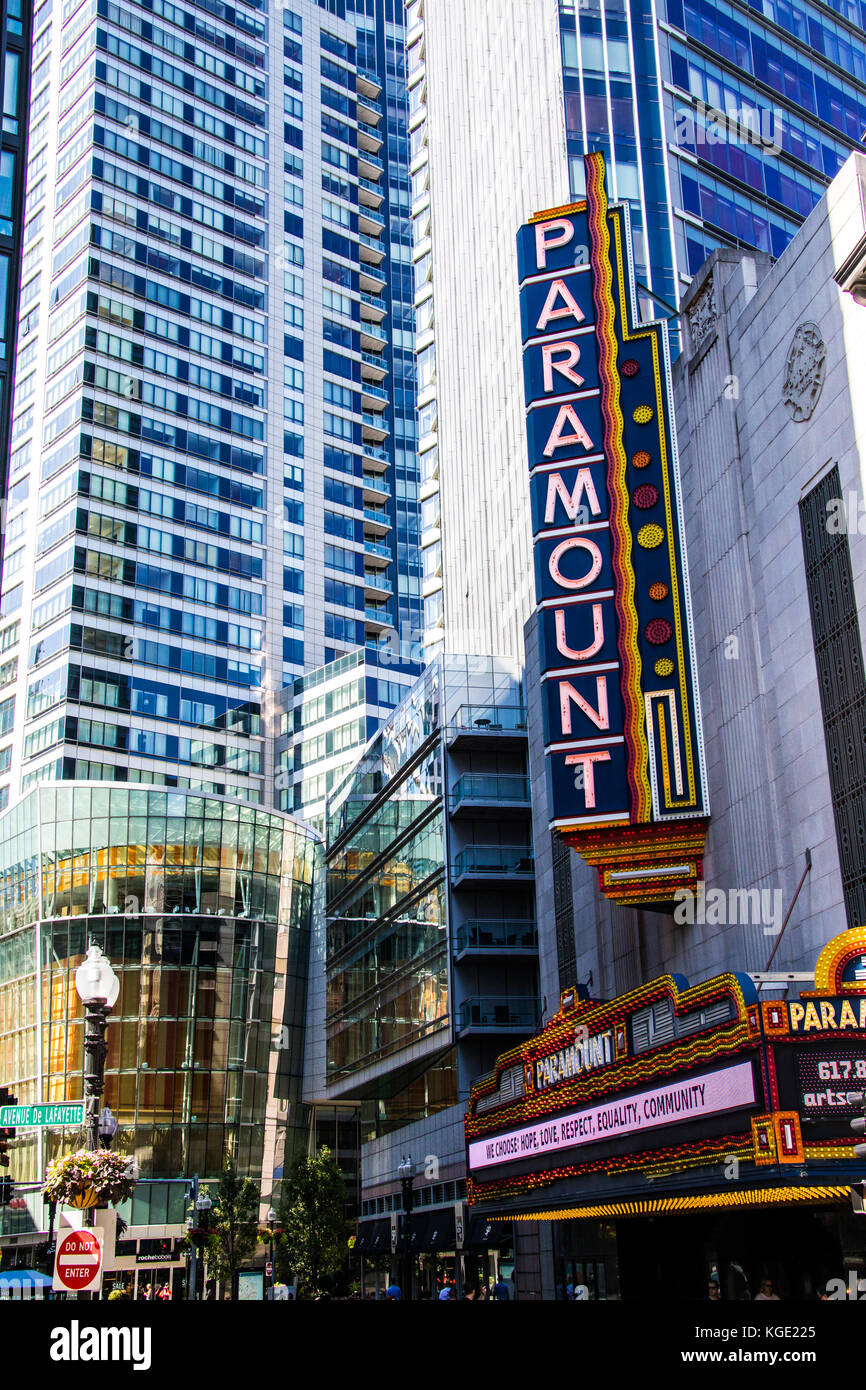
(622, 716)
(678, 1098)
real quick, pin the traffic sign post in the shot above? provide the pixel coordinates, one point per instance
(78, 1262)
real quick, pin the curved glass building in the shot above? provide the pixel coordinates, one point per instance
(203, 907)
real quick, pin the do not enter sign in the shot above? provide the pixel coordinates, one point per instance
(78, 1262)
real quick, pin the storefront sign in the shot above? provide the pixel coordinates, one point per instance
(685, 1060)
(827, 1077)
(583, 1055)
(828, 1015)
(727, 1089)
(622, 719)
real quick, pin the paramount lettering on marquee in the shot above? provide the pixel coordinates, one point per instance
(622, 719)
(828, 1015)
(583, 1055)
(729, 1088)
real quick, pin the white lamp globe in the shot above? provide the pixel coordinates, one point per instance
(95, 981)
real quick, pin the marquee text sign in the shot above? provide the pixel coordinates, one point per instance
(622, 717)
(690, 1098)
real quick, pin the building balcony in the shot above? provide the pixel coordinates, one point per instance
(493, 863)
(493, 1013)
(369, 139)
(376, 490)
(490, 793)
(378, 522)
(487, 938)
(371, 104)
(373, 428)
(373, 309)
(372, 281)
(376, 460)
(377, 555)
(488, 726)
(368, 84)
(370, 165)
(376, 583)
(377, 619)
(373, 337)
(370, 194)
(373, 398)
(370, 222)
(373, 368)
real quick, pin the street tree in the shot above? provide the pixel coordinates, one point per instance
(234, 1226)
(312, 1215)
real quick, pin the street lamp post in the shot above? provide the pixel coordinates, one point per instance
(97, 987)
(406, 1170)
(271, 1218)
(107, 1127)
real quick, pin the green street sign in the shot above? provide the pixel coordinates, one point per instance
(41, 1116)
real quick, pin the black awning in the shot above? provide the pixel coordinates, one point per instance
(433, 1230)
(486, 1233)
(374, 1237)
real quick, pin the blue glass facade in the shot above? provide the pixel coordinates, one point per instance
(723, 122)
(380, 28)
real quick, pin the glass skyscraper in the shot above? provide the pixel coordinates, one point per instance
(212, 478)
(212, 494)
(722, 122)
(15, 25)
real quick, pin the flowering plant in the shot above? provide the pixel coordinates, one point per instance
(74, 1176)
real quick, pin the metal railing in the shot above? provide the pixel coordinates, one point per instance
(373, 330)
(495, 859)
(498, 934)
(373, 159)
(498, 1011)
(493, 718)
(490, 786)
(373, 360)
(375, 579)
(373, 548)
(378, 392)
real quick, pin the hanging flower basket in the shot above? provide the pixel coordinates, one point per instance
(88, 1179)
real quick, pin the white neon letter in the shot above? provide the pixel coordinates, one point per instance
(568, 694)
(549, 353)
(597, 635)
(588, 760)
(570, 500)
(570, 309)
(550, 235)
(557, 440)
(574, 543)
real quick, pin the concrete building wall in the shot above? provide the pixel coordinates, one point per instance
(494, 145)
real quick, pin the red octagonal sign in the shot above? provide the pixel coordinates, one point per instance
(79, 1256)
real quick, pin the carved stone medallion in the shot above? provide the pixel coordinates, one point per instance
(804, 371)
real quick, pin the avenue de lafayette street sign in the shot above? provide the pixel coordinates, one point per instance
(41, 1116)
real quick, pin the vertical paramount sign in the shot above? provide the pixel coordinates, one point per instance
(622, 717)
